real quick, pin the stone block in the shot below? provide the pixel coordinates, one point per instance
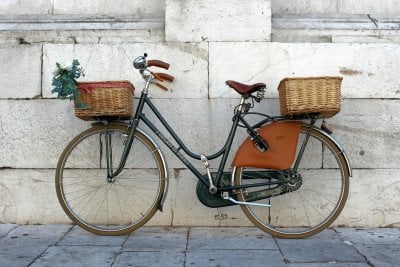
(104, 62)
(381, 254)
(6, 228)
(15, 37)
(368, 131)
(322, 21)
(20, 71)
(26, 243)
(246, 257)
(226, 238)
(381, 38)
(139, 8)
(29, 197)
(35, 132)
(25, 7)
(365, 68)
(329, 36)
(329, 250)
(196, 21)
(78, 22)
(386, 22)
(384, 7)
(370, 236)
(227, 246)
(77, 255)
(79, 237)
(303, 7)
(379, 188)
(167, 239)
(33, 137)
(150, 258)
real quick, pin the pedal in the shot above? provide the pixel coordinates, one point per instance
(225, 195)
(212, 188)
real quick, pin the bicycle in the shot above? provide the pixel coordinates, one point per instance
(112, 178)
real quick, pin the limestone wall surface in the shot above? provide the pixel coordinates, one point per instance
(382, 7)
(35, 127)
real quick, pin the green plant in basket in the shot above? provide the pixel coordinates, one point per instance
(64, 80)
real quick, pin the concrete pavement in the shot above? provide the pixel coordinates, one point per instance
(67, 245)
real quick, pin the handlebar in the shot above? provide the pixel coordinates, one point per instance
(142, 64)
(165, 76)
(157, 63)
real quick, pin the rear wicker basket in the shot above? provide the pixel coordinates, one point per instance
(110, 99)
(317, 95)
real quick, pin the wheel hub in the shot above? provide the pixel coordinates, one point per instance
(293, 181)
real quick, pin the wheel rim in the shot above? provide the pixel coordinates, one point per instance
(105, 207)
(315, 205)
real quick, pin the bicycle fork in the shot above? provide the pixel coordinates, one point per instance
(111, 174)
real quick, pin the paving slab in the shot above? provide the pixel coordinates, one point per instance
(25, 243)
(157, 239)
(234, 258)
(380, 254)
(230, 238)
(35, 235)
(6, 228)
(381, 246)
(155, 259)
(326, 247)
(64, 245)
(77, 256)
(370, 235)
(328, 264)
(15, 260)
(78, 236)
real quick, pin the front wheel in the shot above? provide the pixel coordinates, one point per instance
(110, 206)
(318, 194)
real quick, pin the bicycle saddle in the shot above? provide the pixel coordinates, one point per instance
(244, 88)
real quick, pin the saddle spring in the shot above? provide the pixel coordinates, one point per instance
(260, 94)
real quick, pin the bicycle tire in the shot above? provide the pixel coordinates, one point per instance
(98, 205)
(312, 207)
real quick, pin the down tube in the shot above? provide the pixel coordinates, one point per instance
(175, 150)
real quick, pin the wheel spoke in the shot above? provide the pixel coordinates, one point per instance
(109, 207)
(314, 205)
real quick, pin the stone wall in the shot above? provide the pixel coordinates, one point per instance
(381, 7)
(35, 127)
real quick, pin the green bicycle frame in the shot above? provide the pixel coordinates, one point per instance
(224, 151)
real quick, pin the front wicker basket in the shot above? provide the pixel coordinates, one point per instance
(104, 100)
(319, 96)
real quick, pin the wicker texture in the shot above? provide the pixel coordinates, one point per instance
(111, 99)
(315, 95)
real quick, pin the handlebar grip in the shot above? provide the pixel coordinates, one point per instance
(165, 76)
(162, 86)
(157, 63)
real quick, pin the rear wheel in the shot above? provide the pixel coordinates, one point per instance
(100, 205)
(318, 195)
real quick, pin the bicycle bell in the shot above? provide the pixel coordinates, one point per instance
(140, 62)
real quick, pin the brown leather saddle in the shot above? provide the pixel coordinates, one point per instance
(244, 89)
